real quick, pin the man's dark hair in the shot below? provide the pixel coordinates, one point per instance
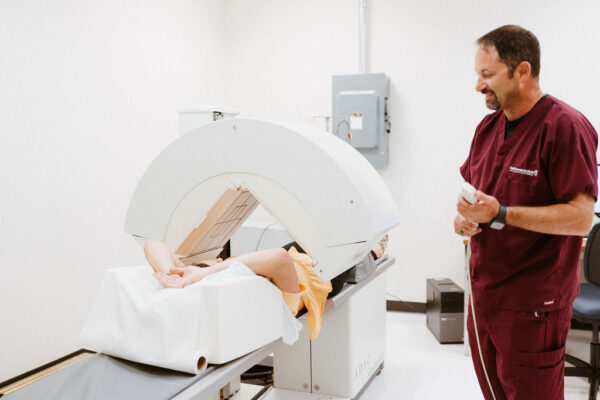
(514, 45)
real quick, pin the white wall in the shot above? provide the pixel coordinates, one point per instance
(89, 93)
(281, 56)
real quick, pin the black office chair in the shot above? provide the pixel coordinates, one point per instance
(586, 309)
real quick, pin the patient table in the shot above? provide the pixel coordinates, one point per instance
(197, 193)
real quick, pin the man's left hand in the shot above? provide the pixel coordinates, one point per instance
(483, 211)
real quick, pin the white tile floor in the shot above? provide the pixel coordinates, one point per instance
(418, 367)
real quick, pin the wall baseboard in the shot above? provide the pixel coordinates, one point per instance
(405, 306)
(409, 306)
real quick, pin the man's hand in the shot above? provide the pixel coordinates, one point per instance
(464, 227)
(482, 212)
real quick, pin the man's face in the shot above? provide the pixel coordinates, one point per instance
(493, 81)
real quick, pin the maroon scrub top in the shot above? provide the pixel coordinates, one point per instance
(548, 158)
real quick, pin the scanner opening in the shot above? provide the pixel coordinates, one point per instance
(225, 217)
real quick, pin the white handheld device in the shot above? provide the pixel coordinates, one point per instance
(468, 193)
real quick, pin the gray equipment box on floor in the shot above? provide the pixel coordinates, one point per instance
(445, 310)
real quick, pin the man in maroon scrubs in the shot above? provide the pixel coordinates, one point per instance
(533, 162)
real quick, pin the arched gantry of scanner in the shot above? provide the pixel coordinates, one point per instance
(201, 188)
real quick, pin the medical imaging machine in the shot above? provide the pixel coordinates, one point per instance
(197, 193)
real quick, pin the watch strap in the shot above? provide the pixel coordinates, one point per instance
(499, 220)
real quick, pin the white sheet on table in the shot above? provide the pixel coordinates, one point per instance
(132, 317)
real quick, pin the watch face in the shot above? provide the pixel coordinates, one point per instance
(496, 225)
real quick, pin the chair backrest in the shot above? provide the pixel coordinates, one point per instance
(591, 257)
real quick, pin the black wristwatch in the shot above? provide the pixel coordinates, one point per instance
(500, 219)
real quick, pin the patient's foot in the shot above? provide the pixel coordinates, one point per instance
(380, 247)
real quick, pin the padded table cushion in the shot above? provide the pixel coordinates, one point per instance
(218, 319)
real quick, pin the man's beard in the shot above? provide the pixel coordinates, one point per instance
(493, 103)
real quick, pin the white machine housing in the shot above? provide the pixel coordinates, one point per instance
(349, 350)
(325, 194)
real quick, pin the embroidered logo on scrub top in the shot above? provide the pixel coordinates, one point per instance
(523, 171)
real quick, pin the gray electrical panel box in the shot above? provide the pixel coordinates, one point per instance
(359, 114)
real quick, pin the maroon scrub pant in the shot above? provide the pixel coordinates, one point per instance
(524, 352)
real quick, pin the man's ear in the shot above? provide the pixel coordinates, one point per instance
(523, 70)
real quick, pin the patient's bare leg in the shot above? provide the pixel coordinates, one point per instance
(273, 264)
